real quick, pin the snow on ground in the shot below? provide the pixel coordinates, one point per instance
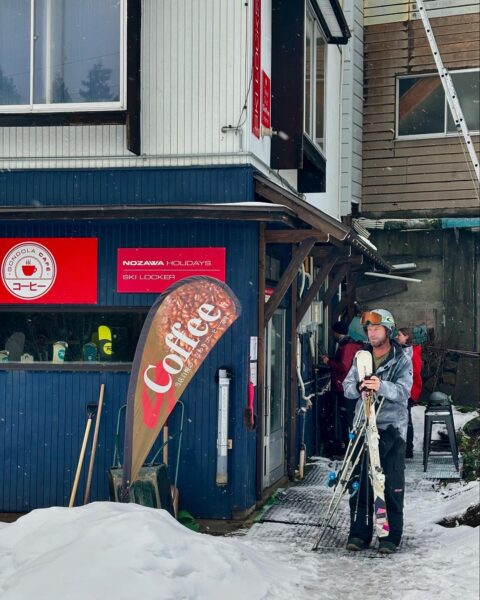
(439, 563)
(123, 551)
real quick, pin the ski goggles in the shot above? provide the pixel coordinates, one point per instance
(371, 318)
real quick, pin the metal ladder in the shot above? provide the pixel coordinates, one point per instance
(449, 88)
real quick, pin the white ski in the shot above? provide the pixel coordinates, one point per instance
(364, 363)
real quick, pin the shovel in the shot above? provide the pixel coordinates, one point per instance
(94, 445)
(91, 411)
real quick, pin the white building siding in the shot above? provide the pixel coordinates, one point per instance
(195, 69)
(195, 82)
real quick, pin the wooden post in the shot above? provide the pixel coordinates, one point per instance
(299, 254)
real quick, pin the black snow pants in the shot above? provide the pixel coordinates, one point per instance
(392, 458)
(409, 450)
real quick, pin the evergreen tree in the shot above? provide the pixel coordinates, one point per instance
(8, 90)
(60, 92)
(96, 87)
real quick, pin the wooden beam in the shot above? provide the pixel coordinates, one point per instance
(324, 251)
(294, 236)
(353, 260)
(260, 429)
(328, 295)
(305, 211)
(316, 285)
(298, 256)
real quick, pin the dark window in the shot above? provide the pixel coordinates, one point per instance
(315, 61)
(423, 108)
(69, 336)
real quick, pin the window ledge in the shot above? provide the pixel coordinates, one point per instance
(71, 366)
(99, 117)
(433, 136)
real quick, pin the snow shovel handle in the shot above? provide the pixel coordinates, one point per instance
(80, 460)
(94, 445)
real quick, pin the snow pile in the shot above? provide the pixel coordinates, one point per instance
(108, 550)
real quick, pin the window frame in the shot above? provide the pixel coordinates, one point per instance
(422, 136)
(73, 107)
(317, 27)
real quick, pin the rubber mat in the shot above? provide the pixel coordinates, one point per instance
(298, 513)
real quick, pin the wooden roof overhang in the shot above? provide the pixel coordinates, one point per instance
(316, 222)
(335, 248)
(236, 211)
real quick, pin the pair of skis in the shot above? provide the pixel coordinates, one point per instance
(363, 438)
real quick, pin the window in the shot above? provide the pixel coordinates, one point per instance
(315, 57)
(422, 107)
(69, 336)
(62, 55)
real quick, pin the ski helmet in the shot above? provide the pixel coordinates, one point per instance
(379, 316)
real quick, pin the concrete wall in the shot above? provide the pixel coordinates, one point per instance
(446, 300)
(447, 297)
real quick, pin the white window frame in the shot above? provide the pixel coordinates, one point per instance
(72, 106)
(313, 60)
(422, 136)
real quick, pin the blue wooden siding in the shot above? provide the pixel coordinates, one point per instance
(42, 422)
(71, 187)
(45, 411)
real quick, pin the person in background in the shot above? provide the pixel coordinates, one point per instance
(340, 365)
(404, 337)
(355, 330)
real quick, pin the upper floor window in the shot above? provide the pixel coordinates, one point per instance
(422, 107)
(315, 62)
(62, 55)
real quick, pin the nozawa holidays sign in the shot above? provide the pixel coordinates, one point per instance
(181, 328)
(144, 270)
(48, 270)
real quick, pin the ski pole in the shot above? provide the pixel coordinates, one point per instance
(94, 445)
(342, 479)
(91, 410)
(335, 501)
(360, 484)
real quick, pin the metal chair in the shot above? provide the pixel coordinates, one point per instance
(439, 410)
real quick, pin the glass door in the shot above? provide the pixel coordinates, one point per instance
(275, 399)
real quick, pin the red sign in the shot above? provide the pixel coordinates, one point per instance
(155, 269)
(181, 328)
(48, 270)
(265, 100)
(256, 66)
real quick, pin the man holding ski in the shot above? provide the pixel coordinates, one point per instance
(391, 382)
